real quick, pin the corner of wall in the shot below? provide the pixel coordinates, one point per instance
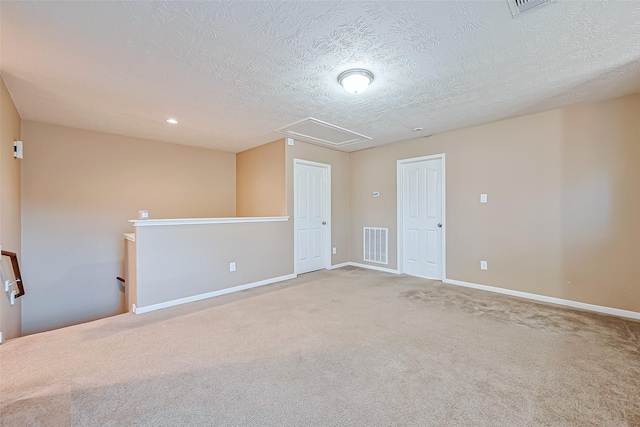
(10, 205)
(261, 176)
(10, 174)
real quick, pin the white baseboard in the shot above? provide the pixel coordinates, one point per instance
(372, 267)
(344, 264)
(552, 300)
(153, 307)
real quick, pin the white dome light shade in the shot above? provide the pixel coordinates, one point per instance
(356, 80)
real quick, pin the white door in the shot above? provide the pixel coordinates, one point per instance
(311, 216)
(422, 218)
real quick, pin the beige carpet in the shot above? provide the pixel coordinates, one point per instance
(347, 347)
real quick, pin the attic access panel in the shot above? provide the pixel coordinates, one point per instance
(322, 133)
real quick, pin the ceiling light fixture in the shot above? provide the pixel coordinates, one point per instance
(356, 80)
(172, 121)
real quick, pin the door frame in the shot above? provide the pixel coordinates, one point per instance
(326, 203)
(400, 206)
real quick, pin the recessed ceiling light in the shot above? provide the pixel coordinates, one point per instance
(356, 80)
(172, 121)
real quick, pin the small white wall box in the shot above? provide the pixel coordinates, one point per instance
(289, 141)
(17, 150)
(376, 194)
(143, 214)
(483, 198)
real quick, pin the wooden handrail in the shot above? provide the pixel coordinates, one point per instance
(16, 271)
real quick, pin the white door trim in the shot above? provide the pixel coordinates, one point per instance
(326, 202)
(400, 190)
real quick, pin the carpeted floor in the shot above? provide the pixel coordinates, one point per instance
(348, 347)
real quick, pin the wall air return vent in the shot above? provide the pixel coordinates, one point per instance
(322, 133)
(521, 6)
(376, 244)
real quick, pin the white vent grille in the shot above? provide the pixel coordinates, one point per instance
(521, 6)
(375, 243)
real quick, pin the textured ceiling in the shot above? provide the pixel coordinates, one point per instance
(234, 72)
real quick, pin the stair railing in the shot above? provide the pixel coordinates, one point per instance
(16, 273)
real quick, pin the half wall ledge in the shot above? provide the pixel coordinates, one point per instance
(197, 221)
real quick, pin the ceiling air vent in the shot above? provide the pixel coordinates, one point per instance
(521, 6)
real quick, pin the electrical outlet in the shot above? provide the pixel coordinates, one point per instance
(232, 267)
(483, 265)
(335, 251)
(143, 214)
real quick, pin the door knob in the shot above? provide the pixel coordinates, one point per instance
(324, 223)
(440, 225)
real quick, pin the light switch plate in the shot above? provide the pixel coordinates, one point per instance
(232, 267)
(483, 198)
(483, 265)
(335, 251)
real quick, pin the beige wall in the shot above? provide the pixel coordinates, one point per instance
(563, 210)
(261, 181)
(79, 188)
(201, 264)
(130, 274)
(339, 162)
(10, 316)
(180, 261)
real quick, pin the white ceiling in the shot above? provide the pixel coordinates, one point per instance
(234, 72)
